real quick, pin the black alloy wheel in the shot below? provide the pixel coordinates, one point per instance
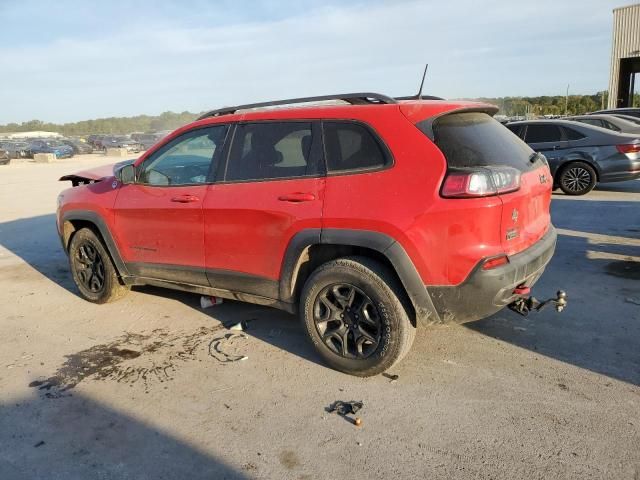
(89, 266)
(347, 320)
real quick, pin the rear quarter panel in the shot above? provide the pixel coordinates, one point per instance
(445, 238)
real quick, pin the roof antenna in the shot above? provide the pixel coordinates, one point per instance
(419, 96)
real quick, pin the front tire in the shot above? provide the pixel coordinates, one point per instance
(577, 178)
(352, 309)
(92, 269)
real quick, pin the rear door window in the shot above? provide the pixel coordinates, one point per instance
(541, 133)
(474, 139)
(273, 150)
(351, 146)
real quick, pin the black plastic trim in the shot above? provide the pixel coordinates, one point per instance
(212, 291)
(215, 278)
(380, 242)
(484, 292)
(94, 218)
(361, 98)
(169, 272)
(291, 262)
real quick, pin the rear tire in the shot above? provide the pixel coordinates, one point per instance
(92, 269)
(577, 178)
(352, 309)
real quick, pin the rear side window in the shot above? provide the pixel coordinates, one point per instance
(594, 122)
(572, 134)
(475, 139)
(272, 150)
(351, 146)
(517, 129)
(611, 126)
(540, 133)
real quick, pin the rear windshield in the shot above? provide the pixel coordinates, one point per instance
(474, 139)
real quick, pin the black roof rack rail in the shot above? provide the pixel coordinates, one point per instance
(421, 97)
(362, 98)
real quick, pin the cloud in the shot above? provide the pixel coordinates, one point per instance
(175, 59)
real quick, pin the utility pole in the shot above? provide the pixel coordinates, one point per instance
(566, 101)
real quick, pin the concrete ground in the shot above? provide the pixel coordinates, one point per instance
(149, 387)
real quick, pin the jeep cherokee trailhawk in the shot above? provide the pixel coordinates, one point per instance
(368, 217)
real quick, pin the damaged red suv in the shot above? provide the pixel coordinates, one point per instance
(369, 218)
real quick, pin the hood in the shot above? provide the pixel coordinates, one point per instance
(95, 174)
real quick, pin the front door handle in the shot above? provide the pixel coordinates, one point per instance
(297, 197)
(185, 199)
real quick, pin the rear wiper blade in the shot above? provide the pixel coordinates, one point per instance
(533, 157)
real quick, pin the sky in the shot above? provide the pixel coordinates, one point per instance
(67, 60)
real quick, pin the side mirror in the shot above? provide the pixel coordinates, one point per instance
(126, 174)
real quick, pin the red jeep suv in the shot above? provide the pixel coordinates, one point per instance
(368, 217)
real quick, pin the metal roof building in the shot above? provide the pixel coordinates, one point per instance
(624, 79)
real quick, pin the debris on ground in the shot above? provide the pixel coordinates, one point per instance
(635, 301)
(346, 408)
(207, 301)
(240, 326)
(39, 444)
(218, 343)
(392, 378)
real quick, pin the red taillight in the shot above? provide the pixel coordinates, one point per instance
(495, 262)
(480, 182)
(629, 148)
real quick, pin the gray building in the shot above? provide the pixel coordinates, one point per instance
(624, 79)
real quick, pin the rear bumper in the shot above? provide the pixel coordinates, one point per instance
(485, 292)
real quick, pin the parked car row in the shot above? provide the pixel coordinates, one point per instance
(63, 148)
(136, 142)
(67, 147)
(587, 149)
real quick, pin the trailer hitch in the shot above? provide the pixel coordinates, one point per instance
(523, 305)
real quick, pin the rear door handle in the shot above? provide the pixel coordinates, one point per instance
(185, 199)
(297, 197)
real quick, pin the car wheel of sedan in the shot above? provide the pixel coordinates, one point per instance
(93, 271)
(577, 178)
(353, 310)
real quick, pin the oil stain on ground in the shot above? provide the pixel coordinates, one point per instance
(130, 358)
(624, 268)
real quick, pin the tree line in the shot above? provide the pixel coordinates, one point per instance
(113, 125)
(509, 106)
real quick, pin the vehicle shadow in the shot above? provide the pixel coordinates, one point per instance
(76, 437)
(270, 325)
(632, 186)
(35, 240)
(599, 331)
(597, 261)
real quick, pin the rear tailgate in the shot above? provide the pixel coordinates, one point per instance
(473, 141)
(525, 213)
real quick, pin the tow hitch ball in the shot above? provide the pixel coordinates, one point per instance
(525, 305)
